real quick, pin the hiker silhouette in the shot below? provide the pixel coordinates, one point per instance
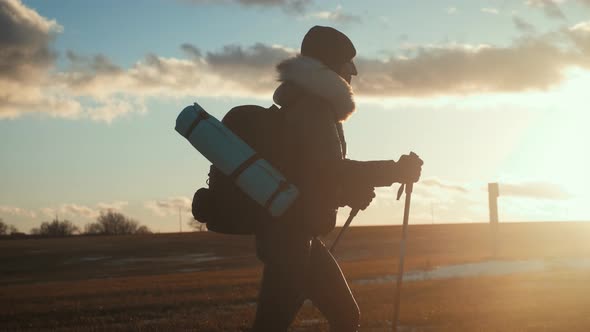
(316, 97)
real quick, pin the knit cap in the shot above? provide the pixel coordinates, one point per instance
(328, 45)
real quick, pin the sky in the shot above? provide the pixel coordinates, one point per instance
(484, 91)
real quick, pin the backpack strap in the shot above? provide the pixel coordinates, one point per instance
(283, 185)
(201, 116)
(243, 166)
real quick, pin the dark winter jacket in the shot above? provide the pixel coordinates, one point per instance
(316, 101)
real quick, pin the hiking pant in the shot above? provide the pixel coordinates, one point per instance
(287, 285)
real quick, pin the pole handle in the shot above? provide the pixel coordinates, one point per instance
(407, 187)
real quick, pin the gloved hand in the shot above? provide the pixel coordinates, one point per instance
(358, 198)
(408, 168)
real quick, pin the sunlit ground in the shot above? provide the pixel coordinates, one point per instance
(535, 278)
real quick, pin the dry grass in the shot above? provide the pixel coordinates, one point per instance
(141, 284)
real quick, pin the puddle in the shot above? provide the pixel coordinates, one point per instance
(85, 259)
(93, 258)
(184, 259)
(400, 328)
(36, 251)
(189, 270)
(488, 268)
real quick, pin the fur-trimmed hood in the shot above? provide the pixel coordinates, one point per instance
(311, 76)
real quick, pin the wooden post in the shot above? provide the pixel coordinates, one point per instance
(493, 194)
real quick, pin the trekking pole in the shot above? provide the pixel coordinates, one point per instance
(396, 303)
(351, 216)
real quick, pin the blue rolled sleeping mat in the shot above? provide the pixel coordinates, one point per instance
(229, 153)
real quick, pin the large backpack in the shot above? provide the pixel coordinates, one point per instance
(223, 207)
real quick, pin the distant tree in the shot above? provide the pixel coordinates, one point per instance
(3, 227)
(115, 223)
(6, 229)
(56, 228)
(92, 228)
(12, 229)
(143, 229)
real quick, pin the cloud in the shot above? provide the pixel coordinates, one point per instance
(70, 210)
(241, 69)
(433, 182)
(25, 42)
(94, 87)
(169, 206)
(537, 190)
(492, 11)
(550, 8)
(243, 65)
(435, 200)
(522, 25)
(290, 6)
(113, 206)
(463, 69)
(84, 211)
(335, 16)
(580, 35)
(25, 60)
(16, 211)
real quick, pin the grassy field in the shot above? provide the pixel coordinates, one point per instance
(208, 282)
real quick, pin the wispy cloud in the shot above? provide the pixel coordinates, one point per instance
(16, 211)
(580, 34)
(290, 6)
(114, 206)
(536, 190)
(550, 8)
(434, 182)
(69, 210)
(72, 210)
(335, 16)
(169, 206)
(492, 11)
(464, 69)
(522, 25)
(451, 10)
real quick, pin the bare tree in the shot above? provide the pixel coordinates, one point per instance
(115, 223)
(12, 229)
(3, 227)
(143, 229)
(7, 229)
(56, 228)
